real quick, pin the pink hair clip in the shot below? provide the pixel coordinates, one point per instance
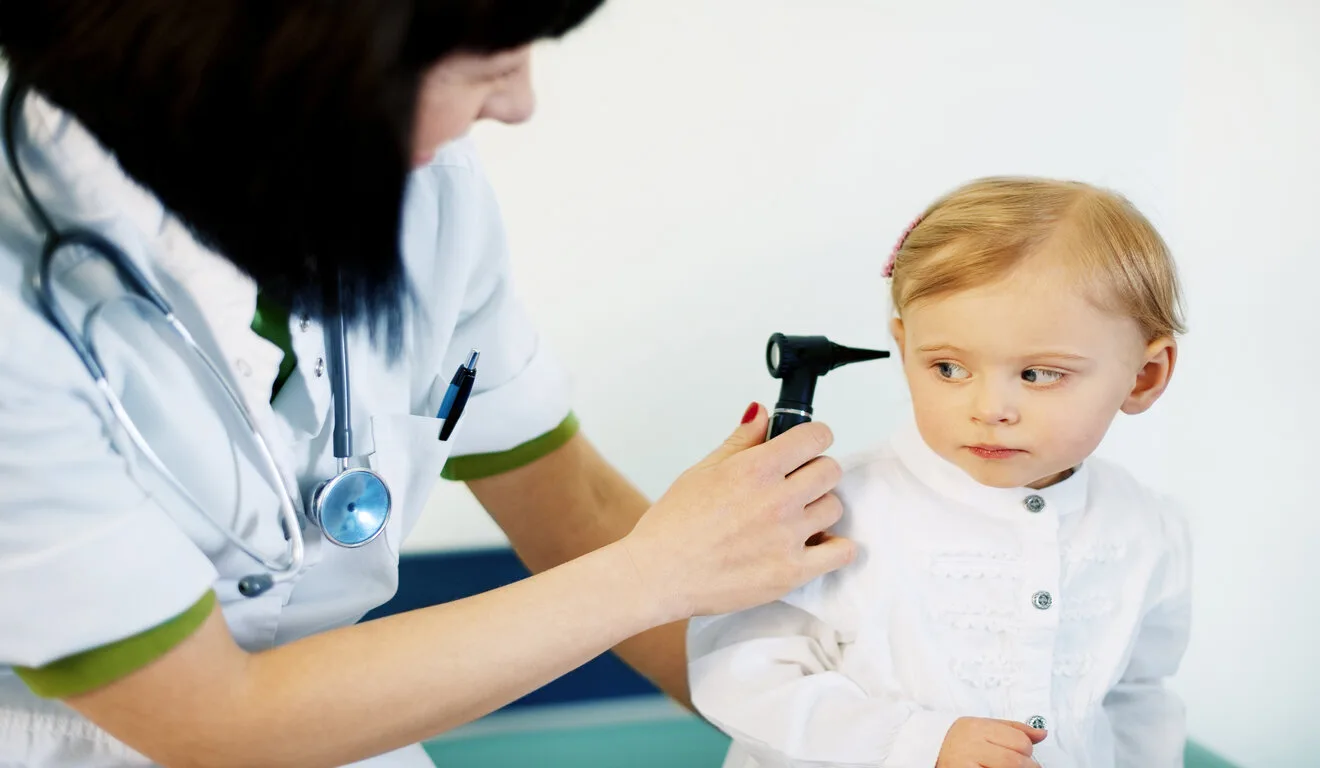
(889, 267)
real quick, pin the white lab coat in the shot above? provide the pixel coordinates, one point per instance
(94, 548)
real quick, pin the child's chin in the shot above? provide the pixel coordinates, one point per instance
(1000, 476)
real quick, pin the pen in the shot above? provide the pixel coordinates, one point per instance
(456, 397)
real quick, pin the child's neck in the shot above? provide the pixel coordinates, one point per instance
(1055, 479)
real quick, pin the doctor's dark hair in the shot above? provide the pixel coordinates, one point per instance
(279, 131)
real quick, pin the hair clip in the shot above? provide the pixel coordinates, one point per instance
(889, 267)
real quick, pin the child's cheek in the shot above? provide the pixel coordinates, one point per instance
(1079, 427)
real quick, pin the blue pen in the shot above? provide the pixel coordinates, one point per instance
(456, 397)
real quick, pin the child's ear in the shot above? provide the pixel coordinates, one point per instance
(1153, 378)
(896, 330)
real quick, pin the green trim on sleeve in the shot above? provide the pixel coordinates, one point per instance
(479, 465)
(92, 669)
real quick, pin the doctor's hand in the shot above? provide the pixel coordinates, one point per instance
(731, 533)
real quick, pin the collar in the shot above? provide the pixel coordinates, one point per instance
(947, 479)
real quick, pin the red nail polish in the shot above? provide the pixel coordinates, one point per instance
(750, 415)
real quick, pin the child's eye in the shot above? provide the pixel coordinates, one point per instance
(1041, 376)
(952, 371)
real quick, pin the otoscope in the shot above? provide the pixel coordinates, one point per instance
(799, 361)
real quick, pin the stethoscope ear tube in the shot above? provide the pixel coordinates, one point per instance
(43, 279)
(351, 508)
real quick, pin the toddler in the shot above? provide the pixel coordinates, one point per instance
(1016, 602)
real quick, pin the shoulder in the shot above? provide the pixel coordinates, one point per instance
(1151, 513)
(872, 481)
(32, 353)
(866, 490)
(1114, 486)
(451, 190)
(453, 232)
(870, 474)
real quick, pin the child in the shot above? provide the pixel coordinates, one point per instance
(1017, 601)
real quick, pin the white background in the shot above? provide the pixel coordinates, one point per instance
(701, 174)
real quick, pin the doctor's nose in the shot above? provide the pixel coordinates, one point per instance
(514, 102)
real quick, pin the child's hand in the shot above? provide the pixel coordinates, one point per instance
(978, 742)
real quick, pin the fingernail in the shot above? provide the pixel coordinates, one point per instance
(750, 415)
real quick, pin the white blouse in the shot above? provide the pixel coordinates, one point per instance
(1067, 607)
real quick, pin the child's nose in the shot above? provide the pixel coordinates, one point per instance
(994, 404)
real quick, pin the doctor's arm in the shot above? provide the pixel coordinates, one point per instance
(727, 533)
(566, 504)
(1148, 719)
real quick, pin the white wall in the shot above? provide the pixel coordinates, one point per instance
(1244, 426)
(701, 174)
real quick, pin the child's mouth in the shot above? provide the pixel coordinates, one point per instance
(994, 451)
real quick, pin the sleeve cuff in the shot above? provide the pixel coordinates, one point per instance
(477, 466)
(532, 402)
(89, 670)
(99, 588)
(918, 742)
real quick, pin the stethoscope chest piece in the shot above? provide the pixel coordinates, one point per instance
(352, 507)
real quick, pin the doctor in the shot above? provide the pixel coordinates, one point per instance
(290, 181)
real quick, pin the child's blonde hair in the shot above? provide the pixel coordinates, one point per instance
(980, 231)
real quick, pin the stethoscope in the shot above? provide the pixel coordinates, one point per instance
(351, 508)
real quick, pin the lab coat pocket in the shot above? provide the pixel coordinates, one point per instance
(409, 456)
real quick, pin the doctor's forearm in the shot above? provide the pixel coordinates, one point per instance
(369, 688)
(572, 502)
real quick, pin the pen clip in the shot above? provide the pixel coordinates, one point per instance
(460, 388)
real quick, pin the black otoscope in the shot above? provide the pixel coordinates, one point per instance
(799, 361)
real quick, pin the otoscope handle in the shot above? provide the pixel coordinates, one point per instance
(783, 419)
